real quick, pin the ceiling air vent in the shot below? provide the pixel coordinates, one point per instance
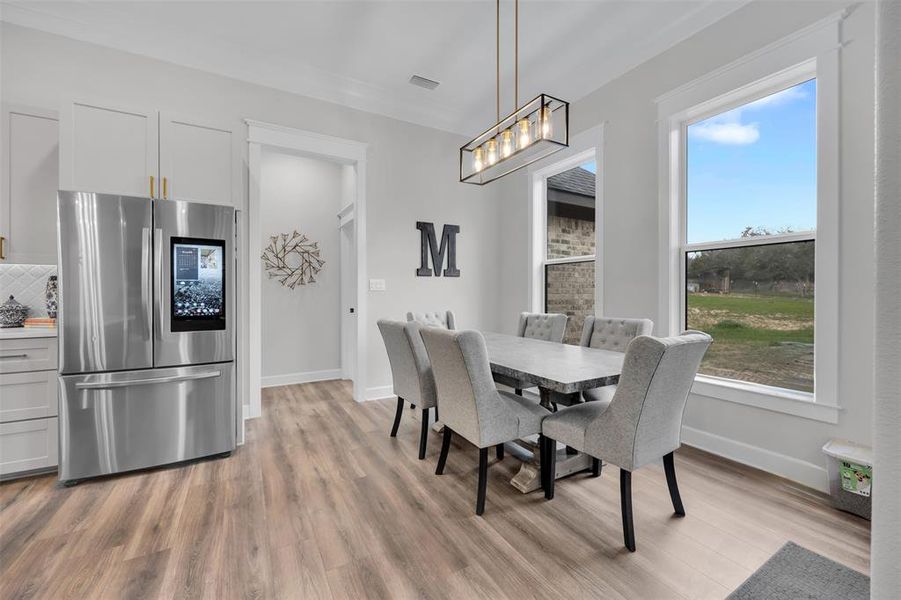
(423, 82)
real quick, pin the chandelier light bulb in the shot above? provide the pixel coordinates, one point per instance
(545, 120)
(478, 159)
(525, 134)
(492, 151)
(506, 143)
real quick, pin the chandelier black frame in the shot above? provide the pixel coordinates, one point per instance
(533, 131)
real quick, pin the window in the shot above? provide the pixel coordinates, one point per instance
(569, 253)
(749, 223)
(750, 228)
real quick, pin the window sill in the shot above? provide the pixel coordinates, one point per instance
(798, 404)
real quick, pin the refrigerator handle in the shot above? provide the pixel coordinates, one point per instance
(146, 285)
(103, 385)
(158, 282)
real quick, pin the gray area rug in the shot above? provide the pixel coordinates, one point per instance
(795, 573)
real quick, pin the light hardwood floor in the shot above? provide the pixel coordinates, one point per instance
(321, 503)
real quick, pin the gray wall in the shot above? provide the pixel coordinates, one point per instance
(630, 253)
(301, 326)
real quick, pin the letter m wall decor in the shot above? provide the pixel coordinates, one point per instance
(428, 246)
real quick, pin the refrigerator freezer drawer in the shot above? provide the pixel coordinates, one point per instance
(115, 422)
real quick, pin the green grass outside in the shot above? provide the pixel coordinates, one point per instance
(734, 331)
(750, 334)
(793, 306)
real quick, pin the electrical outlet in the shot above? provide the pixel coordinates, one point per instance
(376, 285)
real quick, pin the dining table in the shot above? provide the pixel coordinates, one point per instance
(561, 372)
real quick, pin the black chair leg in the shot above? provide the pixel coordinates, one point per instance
(550, 455)
(595, 467)
(542, 461)
(445, 446)
(499, 450)
(424, 433)
(436, 414)
(483, 481)
(670, 469)
(625, 499)
(397, 414)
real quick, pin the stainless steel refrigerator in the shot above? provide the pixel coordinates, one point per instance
(146, 332)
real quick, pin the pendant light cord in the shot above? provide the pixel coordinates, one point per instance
(497, 62)
(516, 55)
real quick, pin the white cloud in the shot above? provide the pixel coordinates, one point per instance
(728, 128)
(731, 133)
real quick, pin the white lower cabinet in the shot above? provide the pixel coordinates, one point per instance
(28, 446)
(28, 396)
(29, 430)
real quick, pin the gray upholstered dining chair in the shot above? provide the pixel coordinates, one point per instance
(607, 333)
(411, 373)
(471, 406)
(548, 327)
(445, 320)
(641, 424)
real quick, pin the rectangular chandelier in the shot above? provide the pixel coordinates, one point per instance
(537, 129)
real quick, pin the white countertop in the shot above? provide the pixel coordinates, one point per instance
(14, 333)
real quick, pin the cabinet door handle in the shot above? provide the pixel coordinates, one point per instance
(14, 356)
(151, 186)
(165, 188)
(2, 248)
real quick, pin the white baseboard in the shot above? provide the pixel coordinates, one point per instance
(380, 392)
(305, 377)
(803, 472)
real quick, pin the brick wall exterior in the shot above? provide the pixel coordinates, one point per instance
(569, 237)
(570, 232)
(570, 290)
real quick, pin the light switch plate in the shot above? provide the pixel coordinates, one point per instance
(376, 285)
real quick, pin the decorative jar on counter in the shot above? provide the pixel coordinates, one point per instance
(12, 313)
(51, 295)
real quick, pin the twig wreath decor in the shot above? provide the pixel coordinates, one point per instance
(292, 259)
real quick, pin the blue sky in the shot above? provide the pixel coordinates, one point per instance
(754, 166)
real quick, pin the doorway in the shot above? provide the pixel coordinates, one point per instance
(348, 288)
(345, 266)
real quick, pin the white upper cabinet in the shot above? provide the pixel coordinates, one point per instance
(30, 173)
(141, 152)
(108, 149)
(198, 160)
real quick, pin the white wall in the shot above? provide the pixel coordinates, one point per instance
(301, 332)
(412, 170)
(886, 547)
(788, 444)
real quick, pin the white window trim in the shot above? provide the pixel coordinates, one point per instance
(811, 52)
(586, 146)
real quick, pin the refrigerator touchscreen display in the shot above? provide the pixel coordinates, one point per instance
(198, 284)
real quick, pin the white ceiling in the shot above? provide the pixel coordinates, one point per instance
(362, 54)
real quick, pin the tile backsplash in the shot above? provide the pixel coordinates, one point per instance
(28, 283)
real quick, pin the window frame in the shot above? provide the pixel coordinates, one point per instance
(561, 167)
(812, 52)
(586, 146)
